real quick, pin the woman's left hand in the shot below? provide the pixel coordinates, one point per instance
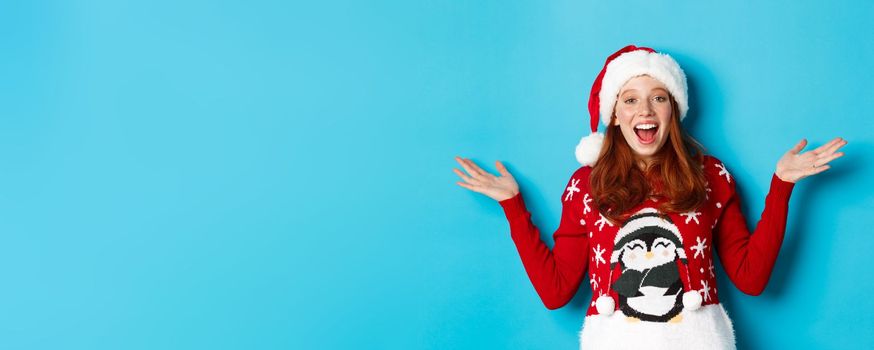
(794, 166)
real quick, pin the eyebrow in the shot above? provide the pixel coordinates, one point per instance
(658, 88)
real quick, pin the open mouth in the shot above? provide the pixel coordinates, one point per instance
(646, 133)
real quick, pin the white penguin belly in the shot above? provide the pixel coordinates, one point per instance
(653, 302)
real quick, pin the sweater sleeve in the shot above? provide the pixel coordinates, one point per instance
(556, 274)
(748, 258)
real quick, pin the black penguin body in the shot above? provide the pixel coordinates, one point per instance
(631, 282)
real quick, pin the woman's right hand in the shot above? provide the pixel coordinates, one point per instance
(498, 188)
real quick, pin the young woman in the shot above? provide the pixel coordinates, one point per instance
(644, 214)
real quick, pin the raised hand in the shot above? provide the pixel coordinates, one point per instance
(496, 187)
(794, 166)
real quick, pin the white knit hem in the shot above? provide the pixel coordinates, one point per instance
(706, 328)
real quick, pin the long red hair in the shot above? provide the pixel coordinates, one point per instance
(618, 184)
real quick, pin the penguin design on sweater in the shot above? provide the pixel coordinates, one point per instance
(649, 249)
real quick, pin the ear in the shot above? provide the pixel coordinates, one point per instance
(615, 120)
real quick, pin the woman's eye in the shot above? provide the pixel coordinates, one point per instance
(661, 98)
(630, 100)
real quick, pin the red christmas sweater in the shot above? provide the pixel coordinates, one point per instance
(584, 239)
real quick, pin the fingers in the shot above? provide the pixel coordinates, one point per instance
(825, 160)
(501, 168)
(798, 146)
(478, 179)
(468, 186)
(834, 147)
(826, 146)
(469, 182)
(470, 167)
(466, 166)
(475, 167)
(464, 177)
(818, 170)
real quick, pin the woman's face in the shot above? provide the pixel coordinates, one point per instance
(643, 113)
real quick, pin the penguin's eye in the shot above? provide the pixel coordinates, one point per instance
(634, 246)
(661, 244)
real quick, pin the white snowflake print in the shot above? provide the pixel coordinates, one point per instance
(699, 248)
(692, 215)
(723, 171)
(594, 282)
(711, 269)
(586, 201)
(705, 289)
(601, 222)
(599, 255)
(571, 190)
(583, 222)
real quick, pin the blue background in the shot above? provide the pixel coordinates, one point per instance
(275, 175)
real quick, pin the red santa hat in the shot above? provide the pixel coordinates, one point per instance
(627, 63)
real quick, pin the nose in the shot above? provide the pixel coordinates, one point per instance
(646, 109)
(649, 255)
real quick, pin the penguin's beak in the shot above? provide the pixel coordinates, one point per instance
(649, 255)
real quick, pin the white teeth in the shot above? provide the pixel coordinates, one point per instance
(645, 126)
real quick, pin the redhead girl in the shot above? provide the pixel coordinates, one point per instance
(646, 215)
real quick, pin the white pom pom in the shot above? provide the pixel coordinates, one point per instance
(605, 305)
(692, 300)
(589, 148)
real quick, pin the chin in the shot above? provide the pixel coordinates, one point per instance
(647, 150)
